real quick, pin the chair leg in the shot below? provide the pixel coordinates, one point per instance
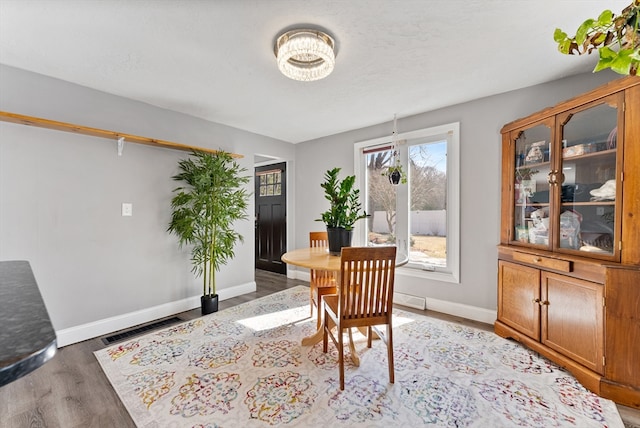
(325, 333)
(311, 305)
(341, 357)
(390, 353)
(319, 312)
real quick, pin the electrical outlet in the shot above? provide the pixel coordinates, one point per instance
(127, 209)
(600, 210)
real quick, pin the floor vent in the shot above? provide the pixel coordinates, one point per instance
(139, 330)
(409, 300)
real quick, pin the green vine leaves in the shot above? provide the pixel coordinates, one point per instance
(617, 39)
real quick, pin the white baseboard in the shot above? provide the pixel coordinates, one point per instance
(415, 302)
(71, 335)
(474, 313)
(299, 274)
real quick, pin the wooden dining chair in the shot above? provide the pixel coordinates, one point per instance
(364, 299)
(322, 282)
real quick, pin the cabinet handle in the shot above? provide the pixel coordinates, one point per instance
(537, 260)
(544, 303)
(552, 177)
(536, 301)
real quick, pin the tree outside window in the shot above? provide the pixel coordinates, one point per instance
(415, 216)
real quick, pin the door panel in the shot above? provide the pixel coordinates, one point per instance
(271, 217)
(518, 297)
(572, 319)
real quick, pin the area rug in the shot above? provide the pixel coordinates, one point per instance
(245, 367)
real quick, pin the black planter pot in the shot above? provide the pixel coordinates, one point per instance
(338, 237)
(394, 177)
(209, 304)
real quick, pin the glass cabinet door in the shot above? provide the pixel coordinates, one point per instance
(531, 190)
(587, 179)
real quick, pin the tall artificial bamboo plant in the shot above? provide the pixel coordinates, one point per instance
(204, 209)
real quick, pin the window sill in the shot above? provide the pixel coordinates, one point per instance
(416, 272)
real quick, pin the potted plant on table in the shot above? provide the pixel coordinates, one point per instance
(204, 209)
(344, 210)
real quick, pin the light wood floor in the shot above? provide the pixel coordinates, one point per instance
(72, 391)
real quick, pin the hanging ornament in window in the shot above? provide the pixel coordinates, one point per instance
(395, 171)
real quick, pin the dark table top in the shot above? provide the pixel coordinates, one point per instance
(27, 338)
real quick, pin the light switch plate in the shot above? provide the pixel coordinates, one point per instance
(127, 209)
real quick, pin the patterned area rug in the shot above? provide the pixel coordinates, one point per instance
(245, 367)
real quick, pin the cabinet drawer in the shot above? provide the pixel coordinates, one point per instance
(546, 262)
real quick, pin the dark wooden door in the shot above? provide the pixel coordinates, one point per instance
(271, 217)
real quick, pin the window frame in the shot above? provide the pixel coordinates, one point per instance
(450, 132)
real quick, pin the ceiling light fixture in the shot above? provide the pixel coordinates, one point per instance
(305, 55)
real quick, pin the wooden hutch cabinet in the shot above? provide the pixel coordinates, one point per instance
(569, 254)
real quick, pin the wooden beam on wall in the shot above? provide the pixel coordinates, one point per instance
(95, 132)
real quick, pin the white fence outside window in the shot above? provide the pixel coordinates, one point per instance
(432, 223)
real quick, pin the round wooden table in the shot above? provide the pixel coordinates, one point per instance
(312, 258)
(318, 258)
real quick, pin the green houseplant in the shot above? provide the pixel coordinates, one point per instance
(344, 209)
(204, 209)
(395, 172)
(616, 38)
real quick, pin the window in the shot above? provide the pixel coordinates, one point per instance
(270, 182)
(422, 216)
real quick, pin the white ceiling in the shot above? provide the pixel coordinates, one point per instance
(214, 59)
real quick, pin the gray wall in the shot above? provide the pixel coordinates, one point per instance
(480, 124)
(61, 195)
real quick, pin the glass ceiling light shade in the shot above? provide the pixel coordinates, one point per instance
(305, 55)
